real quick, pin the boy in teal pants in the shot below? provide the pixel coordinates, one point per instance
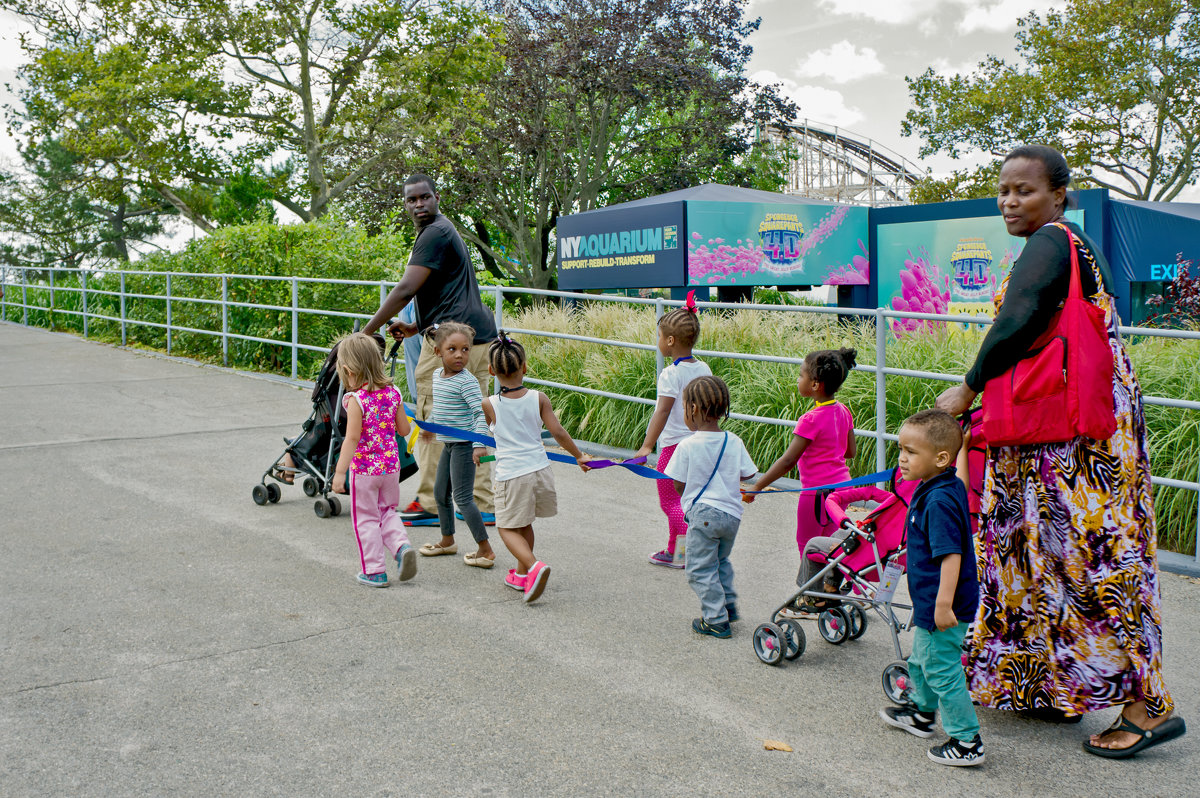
(943, 587)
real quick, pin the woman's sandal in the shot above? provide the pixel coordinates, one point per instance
(1169, 729)
(434, 550)
(478, 560)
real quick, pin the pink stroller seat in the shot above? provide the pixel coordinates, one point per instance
(886, 521)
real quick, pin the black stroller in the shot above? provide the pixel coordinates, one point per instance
(314, 451)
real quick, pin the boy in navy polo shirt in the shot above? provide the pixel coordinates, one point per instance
(943, 587)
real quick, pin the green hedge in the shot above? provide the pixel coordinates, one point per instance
(328, 249)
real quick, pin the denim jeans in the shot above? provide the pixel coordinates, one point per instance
(935, 672)
(710, 537)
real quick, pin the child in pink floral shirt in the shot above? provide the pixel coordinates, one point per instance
(374, 415)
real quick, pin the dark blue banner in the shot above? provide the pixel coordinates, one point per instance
(1152, 240)
(619, 247)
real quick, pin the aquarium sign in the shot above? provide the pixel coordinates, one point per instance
(775, 243)
(621, 248)
(618, 245)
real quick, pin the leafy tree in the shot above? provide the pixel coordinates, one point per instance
(979, 183)
(1115, 85)
(194, 96)
(52, 219)
(598, 101)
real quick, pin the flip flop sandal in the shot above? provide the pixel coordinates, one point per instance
(478, 560)
(1169, 729)
(434, 550)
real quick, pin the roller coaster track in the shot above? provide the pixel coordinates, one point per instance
(833, 164)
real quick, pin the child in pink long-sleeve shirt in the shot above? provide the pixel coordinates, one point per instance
(821, 442)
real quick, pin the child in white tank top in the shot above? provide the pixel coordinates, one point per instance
(522, 479)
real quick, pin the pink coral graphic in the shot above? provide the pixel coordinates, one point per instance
(857, 272)
(920, 294)
(716, 262)
(830, 222)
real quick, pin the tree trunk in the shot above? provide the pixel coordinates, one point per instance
(118, 227)
(489, 262)
(548, 273)
(184, 209)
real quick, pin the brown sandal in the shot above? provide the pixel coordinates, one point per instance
(287, 477)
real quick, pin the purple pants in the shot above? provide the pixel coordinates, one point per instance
(668, 500)
(377, 524)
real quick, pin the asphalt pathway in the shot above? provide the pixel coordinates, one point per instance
(162, 635)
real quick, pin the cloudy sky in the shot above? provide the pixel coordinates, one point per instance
(844, 61)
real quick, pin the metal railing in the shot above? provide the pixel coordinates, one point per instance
(12, 278)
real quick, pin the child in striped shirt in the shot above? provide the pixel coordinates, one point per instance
(457, 402)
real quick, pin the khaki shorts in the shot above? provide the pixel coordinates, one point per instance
(520, 500)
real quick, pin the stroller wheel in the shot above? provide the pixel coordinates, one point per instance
(793, 636)
(335, 505)
(273, 493)
(322, 508)
(858, 621)
(769, 643)
(895, 683)
(259, 494)
(310, 487)
(834, 625)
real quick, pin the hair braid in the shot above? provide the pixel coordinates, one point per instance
(505, 355)
(710, 395)
(683, 323)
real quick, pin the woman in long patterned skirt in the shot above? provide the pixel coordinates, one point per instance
(1069, 618)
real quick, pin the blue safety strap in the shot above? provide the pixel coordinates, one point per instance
(487, 440)
(636, 468)
(869, 479)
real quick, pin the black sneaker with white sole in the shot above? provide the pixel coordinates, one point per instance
(910, 719)
(957, 753)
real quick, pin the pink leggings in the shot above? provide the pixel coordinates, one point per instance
(668, 500)
(377, 525)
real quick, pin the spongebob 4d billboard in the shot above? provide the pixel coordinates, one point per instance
(945, 266)
(751, 243)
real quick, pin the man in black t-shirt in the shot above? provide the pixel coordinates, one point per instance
(441, 280)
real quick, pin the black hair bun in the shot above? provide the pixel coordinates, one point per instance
(849, 357)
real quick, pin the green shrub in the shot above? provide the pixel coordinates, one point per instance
(329, 249)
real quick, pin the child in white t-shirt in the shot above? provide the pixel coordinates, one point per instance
(677, 334)
(708, 469)
(522, 480)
